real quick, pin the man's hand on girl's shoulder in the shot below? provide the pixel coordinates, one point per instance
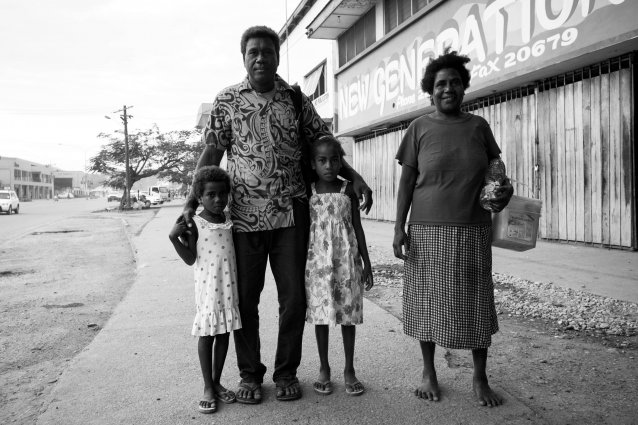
(363, 193)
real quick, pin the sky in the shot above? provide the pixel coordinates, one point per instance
(65, 64)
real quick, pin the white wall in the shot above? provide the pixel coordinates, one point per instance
(298, 55)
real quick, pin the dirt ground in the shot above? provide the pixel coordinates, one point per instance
(564, 376)
(60, 285)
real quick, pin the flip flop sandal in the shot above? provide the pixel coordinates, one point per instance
(324, 388)
(253, 388)
(351, 388)
(206, 406)
(226, 396)
(281, 390)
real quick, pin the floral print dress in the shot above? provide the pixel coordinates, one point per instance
(334, 287)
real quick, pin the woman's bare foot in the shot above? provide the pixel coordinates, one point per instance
(429, 388)
(484, 394)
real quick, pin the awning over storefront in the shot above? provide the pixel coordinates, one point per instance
(311, 81)
(337, 17)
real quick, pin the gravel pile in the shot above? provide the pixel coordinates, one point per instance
(567, 309)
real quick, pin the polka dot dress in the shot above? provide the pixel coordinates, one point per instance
(215, 279)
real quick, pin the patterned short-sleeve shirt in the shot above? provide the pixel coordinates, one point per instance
(260, 137)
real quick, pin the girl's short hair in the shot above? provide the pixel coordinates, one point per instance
(207, 174)
(327, 141)
(446, 60)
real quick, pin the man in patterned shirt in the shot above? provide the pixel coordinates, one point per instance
(254, 123)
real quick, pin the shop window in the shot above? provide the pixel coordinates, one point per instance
(396, 12)
(315, 82)
(357, 38)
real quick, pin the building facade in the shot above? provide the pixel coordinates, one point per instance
(554, 78)
(29, 180)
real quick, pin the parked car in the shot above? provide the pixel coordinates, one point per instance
(9, 202)
(114, 197)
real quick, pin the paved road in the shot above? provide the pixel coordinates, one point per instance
(38, 213)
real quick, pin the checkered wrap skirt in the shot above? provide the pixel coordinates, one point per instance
(448, 293)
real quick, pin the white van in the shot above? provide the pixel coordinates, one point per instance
(154, 196)
(159, 191)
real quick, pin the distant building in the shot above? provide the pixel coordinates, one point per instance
(29, 180)
(77, 183)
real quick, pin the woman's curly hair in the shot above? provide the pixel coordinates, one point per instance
(446, 60)
(207, 174)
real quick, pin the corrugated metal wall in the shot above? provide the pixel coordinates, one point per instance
(374, 160)
(567, 140)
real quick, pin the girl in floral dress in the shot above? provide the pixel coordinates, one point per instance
(209, 246)
(335, 276)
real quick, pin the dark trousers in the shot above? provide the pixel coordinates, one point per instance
(286, 249)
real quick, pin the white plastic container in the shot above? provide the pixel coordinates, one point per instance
(516, 227)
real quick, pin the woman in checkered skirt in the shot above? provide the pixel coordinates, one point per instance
(448, 296)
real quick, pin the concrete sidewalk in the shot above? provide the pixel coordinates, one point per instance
(608, 272)
(142, 368)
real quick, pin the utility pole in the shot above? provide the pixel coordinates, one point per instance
(127, 193)
(125, 117)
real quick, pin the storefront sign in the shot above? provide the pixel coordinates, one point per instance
(503, 38)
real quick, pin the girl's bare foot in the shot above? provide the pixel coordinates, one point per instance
(484, 394)
(209, 394)
(223, 394)
(323, 385)
(324, 374)
(429, 388)
(353, 386)
(208, 403)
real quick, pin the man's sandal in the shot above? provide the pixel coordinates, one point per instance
(286, 384)
(255, 393)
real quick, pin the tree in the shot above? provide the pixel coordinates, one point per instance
(151, 153)
(183, 171)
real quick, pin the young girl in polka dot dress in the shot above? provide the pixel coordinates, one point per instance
(209, 247)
